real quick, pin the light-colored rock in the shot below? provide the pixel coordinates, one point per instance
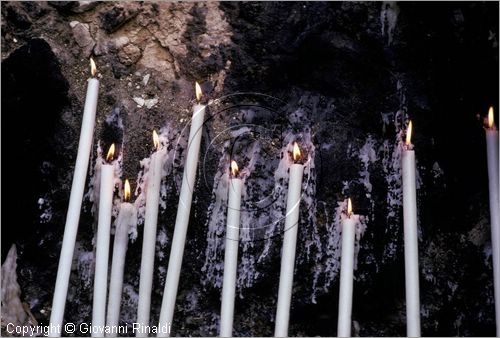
(155, 57)
(120, 42)
(139, 101)
(13, 310)
(81, 34)
(150, 103)
(84, 6)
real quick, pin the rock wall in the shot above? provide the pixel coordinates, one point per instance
(343, 76)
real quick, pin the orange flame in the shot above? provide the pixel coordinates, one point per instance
(156, 140)
(93, 68)
(491, 118)
(408, 134)
(296, 152)
(234, 168)
(199, 93)
(111, 153)
(126, 191)
(349, 208)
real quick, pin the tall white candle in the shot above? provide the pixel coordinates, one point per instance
(127, 217)
(75, 204)
(410, 238)
(492, 153)
(289, 245)
(102, 242)
(182, 219)
(231, 253)
(346, 273)
(149, 241)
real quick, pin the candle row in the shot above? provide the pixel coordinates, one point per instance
(128, 213)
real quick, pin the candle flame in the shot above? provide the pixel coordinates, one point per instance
(349, 207)
(234, 168)
(491, 118)
(199, 93)
(126, 191)
(296, 152)
(408, 134)
(111, 153)
(156, 140)
(93, 68)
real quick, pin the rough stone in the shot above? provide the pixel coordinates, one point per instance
(129, 54)
(116, 17)
(81, 33)
(120, 42)
(17, 16)
(84, 6)
(156, 57)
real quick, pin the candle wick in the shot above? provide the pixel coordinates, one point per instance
(409, 146)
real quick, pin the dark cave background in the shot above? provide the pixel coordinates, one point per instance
(444, 55)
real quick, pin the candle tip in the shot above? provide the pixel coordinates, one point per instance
(111, 153)
(156, 140)
(491, 118)
(349, 207)
(93, 67)
(408, 133)
(296, 152)
(198, 90)
(234, 168)
(126, 191)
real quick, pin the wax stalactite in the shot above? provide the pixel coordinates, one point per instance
(183, 212)
(155, 175)
(492, 158)
(103, 239)
(127, 217)
(231, 252)
(75, 203)
(289, 243)
(410, 237)
(346, 273)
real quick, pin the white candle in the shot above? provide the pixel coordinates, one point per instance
(346, 273)
(75, 204)
(102, 242)
(492, 152)
(231, 253)
(289, 245)
(182, 219)
(149, 241)
(127, 217)
(410, 238)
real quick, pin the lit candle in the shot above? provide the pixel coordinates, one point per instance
(410, 238)
(346, 273)
(492, 152)
(289, 245)
(231, 252)
(155, 175)
(182, 220)
(127, 217)
(102, 242)
(75, 204)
